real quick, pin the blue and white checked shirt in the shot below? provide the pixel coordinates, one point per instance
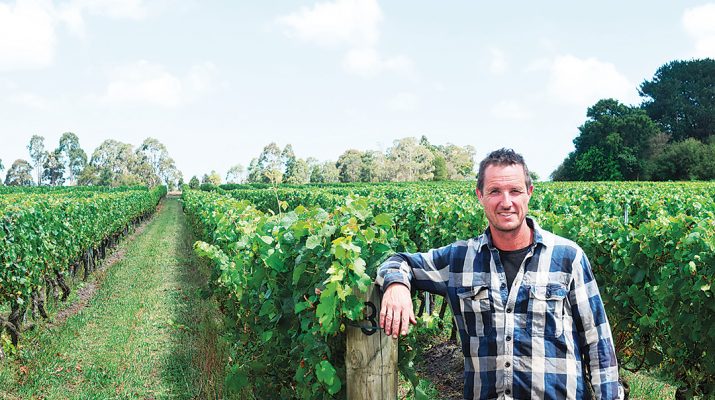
(524, 343)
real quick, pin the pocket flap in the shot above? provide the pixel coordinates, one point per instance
(478, 292)
(552, 291)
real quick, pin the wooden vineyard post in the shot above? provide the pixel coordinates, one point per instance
(371, 356)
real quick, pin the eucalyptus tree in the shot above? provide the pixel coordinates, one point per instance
(410, 161)
(72, 156)
(37, 154)
(111, 164)
(235, 174)
(53, 169)
(19, 174)
(300, 172)
(350, 166)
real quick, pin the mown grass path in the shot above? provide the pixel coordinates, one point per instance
(146, 334)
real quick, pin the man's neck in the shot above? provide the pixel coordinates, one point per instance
(512, 240)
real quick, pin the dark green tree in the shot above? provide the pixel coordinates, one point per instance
(688, 159)
(613, 144)
(194, 182)
(350, 165)
(681, 99)
(440, 168)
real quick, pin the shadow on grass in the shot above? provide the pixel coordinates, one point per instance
(196, 365)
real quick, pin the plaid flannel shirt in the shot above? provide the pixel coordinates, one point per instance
(530, 342)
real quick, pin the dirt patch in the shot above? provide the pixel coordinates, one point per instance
(86, 292)
(443, 365)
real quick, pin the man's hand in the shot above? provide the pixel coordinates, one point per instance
(397, 313)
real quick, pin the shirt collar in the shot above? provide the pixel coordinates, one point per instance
(485, 239)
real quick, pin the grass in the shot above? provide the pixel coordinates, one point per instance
(644, 386)
(146, 334)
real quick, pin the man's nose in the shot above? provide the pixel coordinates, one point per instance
(506, 200)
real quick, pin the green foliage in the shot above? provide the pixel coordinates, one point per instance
(686, 160)
(613, 144)
(19, 174)
(73, 157)
(680, 98)
(440, 168)
(668, 138)
(146, 332)
(213, 179)
(194, 182)
(651, 248)
(42, 233)
(289, 280)
(53, 169)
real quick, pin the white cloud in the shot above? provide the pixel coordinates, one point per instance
(352, 22)
(699, 22)
(498, 64)
(28, 28)
(118, 9)
(72, 13)
(510, 109)
(404, 102)
(27, 35)
(29, 100)
(367, 62)
(202, 78)
(150, 84)
(582, 82)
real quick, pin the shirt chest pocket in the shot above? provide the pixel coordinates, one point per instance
(545, 315)
(475, 309)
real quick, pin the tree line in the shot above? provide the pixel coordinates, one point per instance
(669, 136)
(112, 163)
(408, 159)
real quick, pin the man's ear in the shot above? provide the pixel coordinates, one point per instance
(530, 190)
(479, 193)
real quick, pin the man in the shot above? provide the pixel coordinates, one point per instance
(528, 310)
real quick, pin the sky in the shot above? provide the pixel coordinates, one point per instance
(216, 81)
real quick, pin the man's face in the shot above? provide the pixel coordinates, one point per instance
(505, 197)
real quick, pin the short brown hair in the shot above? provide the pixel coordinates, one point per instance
(502, 157)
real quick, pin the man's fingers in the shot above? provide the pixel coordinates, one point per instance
(406, 317)
(396, 320)
(388, 322)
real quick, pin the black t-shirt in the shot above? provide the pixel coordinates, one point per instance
(511, 261)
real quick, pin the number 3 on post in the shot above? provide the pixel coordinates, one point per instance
(370, 314)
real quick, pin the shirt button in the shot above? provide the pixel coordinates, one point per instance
(548, 295)
(507, 392)
(508, 310)
(503, 285)
(508, 364)
(508, 338)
